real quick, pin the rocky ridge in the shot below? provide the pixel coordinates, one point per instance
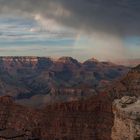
(29, 78)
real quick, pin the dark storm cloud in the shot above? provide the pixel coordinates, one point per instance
(120, 17)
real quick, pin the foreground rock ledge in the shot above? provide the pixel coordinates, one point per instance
(127, 119)
(90, 119)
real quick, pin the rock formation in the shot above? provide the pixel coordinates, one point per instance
(128, 85)
(126, 107)
(85, 119)
(29, 78)
(127, 119)
(77, 120)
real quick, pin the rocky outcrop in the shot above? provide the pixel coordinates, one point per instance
(127, 119)
(126, 107)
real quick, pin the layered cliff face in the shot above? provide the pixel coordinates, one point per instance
(18, 118)
(128, 85)
(78, 120)
(49, 80)
(81, 120)
(126, 107)
(127, 119)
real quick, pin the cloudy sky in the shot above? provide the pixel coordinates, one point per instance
(105, 29)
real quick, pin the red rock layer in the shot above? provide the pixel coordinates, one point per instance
(128, 85)
(90, 119)
(84, 120)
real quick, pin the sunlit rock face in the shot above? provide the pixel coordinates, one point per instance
(127, 119)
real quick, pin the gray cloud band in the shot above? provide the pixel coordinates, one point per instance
(119, 17)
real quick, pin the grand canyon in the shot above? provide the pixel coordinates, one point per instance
(69, 69)
(38, 80)
(77, 109)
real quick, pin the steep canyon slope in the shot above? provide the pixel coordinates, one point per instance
(75, 120)
(40, 80)
(95, 118)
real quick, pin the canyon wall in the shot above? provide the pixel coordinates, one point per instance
(78, 120)
(86, 119)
